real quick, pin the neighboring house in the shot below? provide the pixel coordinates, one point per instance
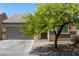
(2, 17)
(12, 30)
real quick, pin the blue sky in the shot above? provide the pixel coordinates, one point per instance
(15, 8)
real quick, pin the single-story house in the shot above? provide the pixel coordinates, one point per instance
(11, 30)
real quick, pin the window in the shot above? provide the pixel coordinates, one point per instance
(65, 30)
(43, 35)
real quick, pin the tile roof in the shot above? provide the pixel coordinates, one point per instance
(17, 18)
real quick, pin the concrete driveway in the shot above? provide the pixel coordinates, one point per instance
(15, 47)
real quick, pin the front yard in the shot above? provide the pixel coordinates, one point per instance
(23, 48)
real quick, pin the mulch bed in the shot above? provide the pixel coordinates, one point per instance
(63, 50)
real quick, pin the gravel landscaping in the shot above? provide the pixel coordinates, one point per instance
(63, 53)
(63, 50)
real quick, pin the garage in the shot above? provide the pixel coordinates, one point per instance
(15, 33)
(12, 27)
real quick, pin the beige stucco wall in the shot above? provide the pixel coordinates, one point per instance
(3, 32)
(51, 37)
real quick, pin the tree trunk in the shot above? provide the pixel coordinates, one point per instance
(56, 39)
(57, 35)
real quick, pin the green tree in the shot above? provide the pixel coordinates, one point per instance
(34, 25)
(52, 16)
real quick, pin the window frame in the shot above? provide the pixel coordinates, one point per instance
(66, 32)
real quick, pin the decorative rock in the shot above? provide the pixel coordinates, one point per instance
(67, 53)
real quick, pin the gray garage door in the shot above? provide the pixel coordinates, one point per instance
(15, 33)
